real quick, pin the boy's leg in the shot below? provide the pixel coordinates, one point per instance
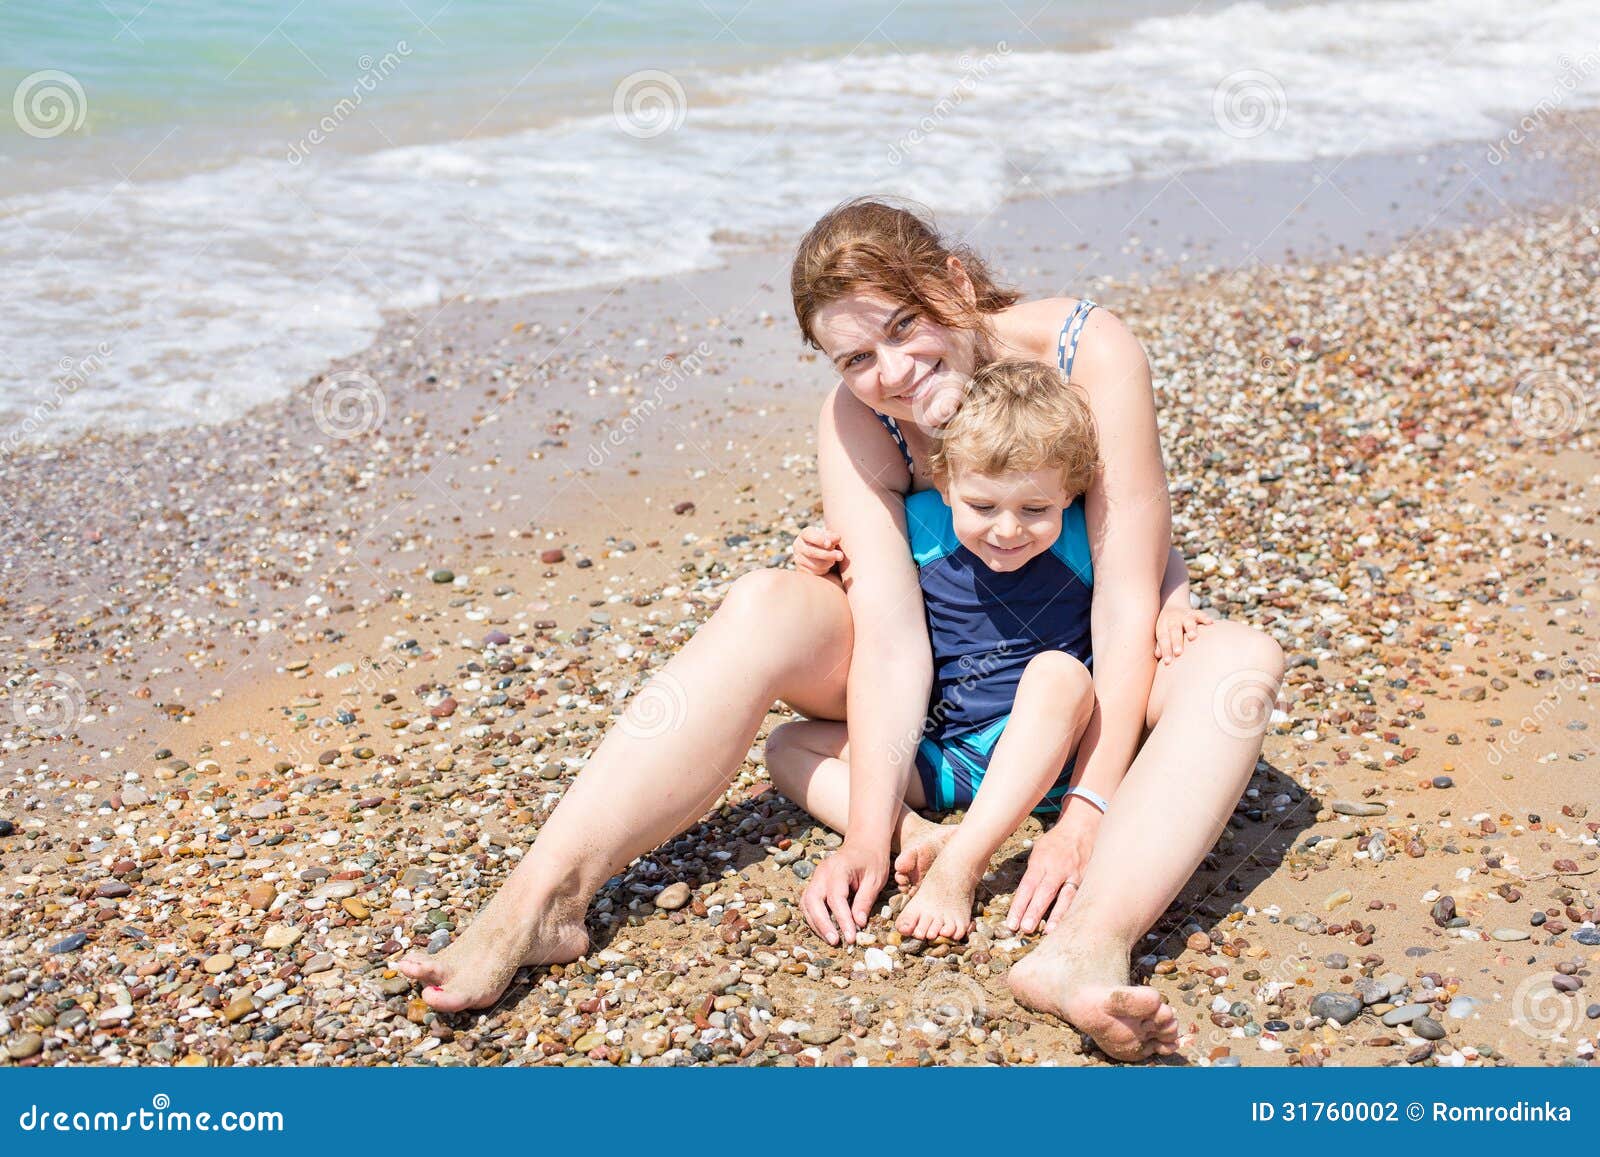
(1054, 702)
(809, 762)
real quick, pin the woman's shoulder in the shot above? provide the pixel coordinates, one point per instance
(1036, 325)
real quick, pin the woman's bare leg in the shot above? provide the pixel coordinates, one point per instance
(778, 635)
(1208, 712)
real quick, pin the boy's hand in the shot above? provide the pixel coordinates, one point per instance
(1174, 626)
(838, 900)
(816, 550)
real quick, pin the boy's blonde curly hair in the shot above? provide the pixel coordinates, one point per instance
(1018, 416)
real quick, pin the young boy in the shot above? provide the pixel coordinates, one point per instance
(1003, 561)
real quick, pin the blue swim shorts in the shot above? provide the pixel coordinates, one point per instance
(951, 772)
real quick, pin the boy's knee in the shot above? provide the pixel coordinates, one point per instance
(781, 745)
(1059, 674)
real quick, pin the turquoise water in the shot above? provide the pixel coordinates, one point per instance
(233, 77)
(202, 203)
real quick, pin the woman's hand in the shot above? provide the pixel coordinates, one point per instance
(1055, 869)
(1176, 624)
(838, 900)
(816, 550)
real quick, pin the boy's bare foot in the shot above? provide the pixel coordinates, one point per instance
(475, 970)
(1088, 987)
(942, 905)
(919, 849)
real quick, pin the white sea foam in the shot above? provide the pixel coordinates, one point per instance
(224, 288)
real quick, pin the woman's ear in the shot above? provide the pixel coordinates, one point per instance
(962, 283)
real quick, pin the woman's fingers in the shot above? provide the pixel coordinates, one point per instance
(839, 908)
(1064, 900)
(1039, 900)
(866, 892)
(815, 907)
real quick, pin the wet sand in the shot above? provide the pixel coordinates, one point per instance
(290, 695)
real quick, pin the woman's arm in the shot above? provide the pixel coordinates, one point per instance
(891, 666)
(1129, 519)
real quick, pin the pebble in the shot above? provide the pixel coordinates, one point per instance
(1339, 1007)
(1405, 1014)
(24, 1045)
(1511, 934)
(282, 936)
(1428, 1028)
(673, 897)
(1346, 807)
(1444, 911)
(70, 943)
(219, 963)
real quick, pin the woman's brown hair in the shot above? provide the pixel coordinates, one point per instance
(872, 245)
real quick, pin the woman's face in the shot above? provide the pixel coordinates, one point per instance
(895, 359)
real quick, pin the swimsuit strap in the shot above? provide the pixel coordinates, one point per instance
(893, 427)
(1067, 348)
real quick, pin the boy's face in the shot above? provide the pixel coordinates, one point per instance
(1007, 519)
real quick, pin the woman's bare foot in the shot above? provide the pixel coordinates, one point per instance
(921, 841)
(942, 905)
(1089, 989)
(475, 970)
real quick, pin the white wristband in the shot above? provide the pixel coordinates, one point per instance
(1094, 797)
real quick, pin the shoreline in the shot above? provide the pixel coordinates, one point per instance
(486, 455)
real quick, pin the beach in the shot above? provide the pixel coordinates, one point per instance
(290, 694)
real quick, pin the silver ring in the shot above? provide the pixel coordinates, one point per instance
(1070, 884)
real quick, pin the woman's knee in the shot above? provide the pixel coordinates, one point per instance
(1226, 658)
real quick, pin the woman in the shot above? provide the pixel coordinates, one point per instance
(904, 318)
